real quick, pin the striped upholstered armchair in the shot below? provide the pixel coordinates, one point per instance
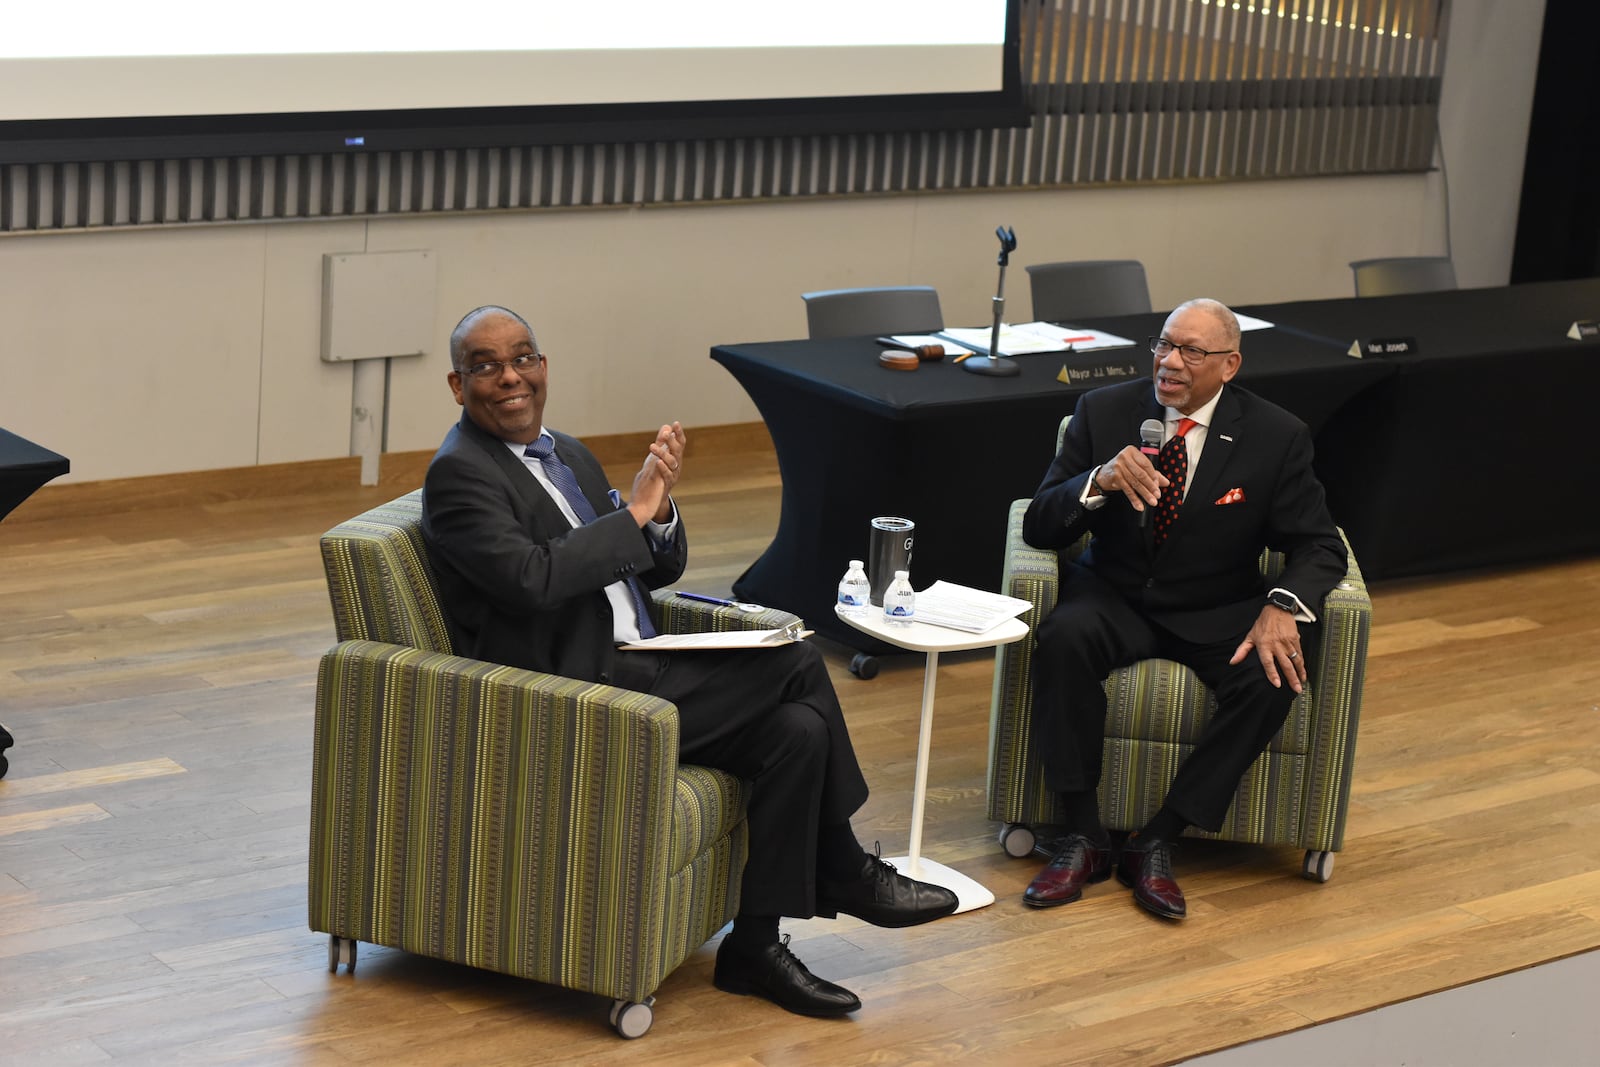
(519, 822)
(1294, 795)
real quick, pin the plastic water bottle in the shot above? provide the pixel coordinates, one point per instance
(900, 600)
(855, 592)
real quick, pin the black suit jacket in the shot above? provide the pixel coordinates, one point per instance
(520, 585)
(1204, 583)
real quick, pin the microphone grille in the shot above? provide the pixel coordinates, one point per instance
(1150, 433)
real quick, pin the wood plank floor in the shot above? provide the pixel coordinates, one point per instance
(158, 640)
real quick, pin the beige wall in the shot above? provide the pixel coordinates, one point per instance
(157, 351)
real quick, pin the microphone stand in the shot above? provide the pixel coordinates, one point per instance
(994, 365)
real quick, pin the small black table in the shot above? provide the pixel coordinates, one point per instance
(24, 467)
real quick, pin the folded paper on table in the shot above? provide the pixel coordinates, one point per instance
(1031, 337)
(714, 639)
(960, 607)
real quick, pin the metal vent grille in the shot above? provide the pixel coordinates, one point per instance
(1119, 91)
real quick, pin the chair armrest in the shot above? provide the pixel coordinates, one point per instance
(1033, 574)
(445, 787)
(1343, 631)
(681, 616)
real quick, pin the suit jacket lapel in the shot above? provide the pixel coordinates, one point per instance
(527, 486)
(1205, 479)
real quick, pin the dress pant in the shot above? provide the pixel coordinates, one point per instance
(771, 717)
(1092, 631)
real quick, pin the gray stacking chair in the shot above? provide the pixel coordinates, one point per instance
(887, 309)
(1403, 274)
(1086, 288)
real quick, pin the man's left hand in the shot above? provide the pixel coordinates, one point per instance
(1276, 640)
(667, 449)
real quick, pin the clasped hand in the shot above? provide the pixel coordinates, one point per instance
(1131, 473)
(651, 499)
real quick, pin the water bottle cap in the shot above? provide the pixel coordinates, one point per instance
(856, 563)
(902, 574)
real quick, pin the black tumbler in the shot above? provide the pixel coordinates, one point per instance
(888, 551)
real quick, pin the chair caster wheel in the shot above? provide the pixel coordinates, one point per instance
(1318, 866)
(864, 666)
(632, 1019)
(1018, 840)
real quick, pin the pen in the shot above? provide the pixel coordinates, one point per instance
(705, 599)
(1075, 340)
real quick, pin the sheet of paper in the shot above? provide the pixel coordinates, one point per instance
(960, 607)
(1249, 322)
(1014, 341)
(1073, 338)
(719, 639)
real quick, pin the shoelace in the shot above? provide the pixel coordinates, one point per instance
(1070, 853)
(1158, 862)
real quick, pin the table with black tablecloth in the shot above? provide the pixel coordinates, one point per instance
(949, 449)
(24, 467)
(1468, 454)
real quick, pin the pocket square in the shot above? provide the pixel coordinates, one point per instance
(1232, 496)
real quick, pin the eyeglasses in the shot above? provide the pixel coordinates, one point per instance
(1191, 355)
(524, 365)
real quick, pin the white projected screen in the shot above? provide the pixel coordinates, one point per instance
(185, 57)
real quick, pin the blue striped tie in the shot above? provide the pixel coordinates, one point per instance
(562, 478)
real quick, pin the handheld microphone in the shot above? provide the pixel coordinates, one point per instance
(1150, 444)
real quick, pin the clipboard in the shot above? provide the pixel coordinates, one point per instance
(718, 639)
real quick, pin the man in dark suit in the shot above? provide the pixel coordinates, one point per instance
(1171, 571)
(541, 566)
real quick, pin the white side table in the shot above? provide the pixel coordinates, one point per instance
(932, 640)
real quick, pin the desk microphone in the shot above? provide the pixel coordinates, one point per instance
(992, 364)
(1150, 444)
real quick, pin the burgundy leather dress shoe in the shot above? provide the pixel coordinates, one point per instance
(1077, 862)
(775, 973)
(1146, 868)
(884, 897)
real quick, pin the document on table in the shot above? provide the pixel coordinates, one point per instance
(960, 607)
(711, 639)
(913, 341)
(1028, 338)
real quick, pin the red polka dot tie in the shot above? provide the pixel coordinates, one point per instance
(1173, 462)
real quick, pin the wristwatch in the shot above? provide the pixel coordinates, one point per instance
(1280, 598)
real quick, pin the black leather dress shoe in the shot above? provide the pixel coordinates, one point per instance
(1146, 867)
(1076, 862)
(883, 896)
(774, 972)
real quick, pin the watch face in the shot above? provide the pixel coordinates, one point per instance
(1282, 600)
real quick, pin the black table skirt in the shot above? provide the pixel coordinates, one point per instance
(1467, 454)
(24, 467)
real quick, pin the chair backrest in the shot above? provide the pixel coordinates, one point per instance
(1088, 287)
(380, 581)
(1403, 274)
(888, 309)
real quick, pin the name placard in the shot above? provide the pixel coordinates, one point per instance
(1584, 330)
(1385, 346)
(1098, 372)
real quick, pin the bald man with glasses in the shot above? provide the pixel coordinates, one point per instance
(540, 564)
(1171, 571)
